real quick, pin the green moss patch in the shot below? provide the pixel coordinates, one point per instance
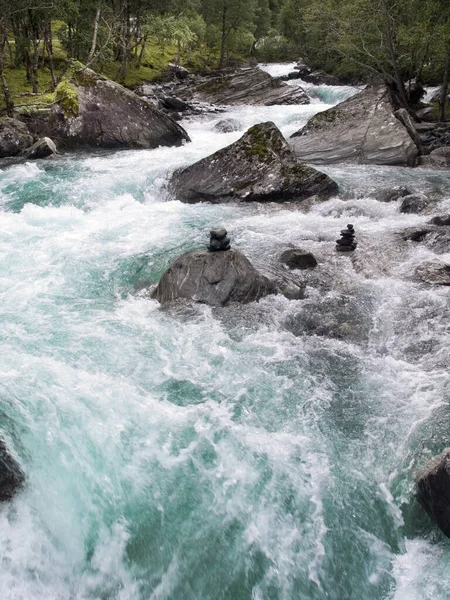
(67, 96)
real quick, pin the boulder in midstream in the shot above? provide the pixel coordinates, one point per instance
(296, 258)
(361, 130)
(213, 278)
(11, 475)
(258, 167)
(433, 489)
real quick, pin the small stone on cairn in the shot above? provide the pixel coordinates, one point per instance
(347, 242)
(218, 240)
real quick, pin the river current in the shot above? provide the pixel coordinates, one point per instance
(236, 454)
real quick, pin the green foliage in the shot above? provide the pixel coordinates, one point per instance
(67, 96)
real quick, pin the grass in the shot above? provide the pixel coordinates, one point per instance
(154, 62)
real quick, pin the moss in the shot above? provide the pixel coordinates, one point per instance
(263, 144)
(67, 96)
(296, 173)
(327, 116)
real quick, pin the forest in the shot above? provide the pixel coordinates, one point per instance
(132, 40)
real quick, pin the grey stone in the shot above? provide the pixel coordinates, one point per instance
(218, 233)
(433, 489)
(292, 291)
(362, 130)
(174, 103)
(41, 149)
(227, 126)
(434, 272)
(14, 137)
(296, 258)
(249, 86)
(109, 116)
(441, 155)
(426, 114)
(213, 278)
(393, 194)
(258, 167)
(414, 203)
(11, 475)
(440, 220)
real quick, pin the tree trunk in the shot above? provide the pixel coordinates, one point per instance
(9, 104)
(445, 82)
(48, 44)
(223, 38)
(391, 39)
(94, 35)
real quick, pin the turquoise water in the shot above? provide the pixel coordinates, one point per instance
(214, 454)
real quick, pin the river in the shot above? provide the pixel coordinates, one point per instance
(228, 454)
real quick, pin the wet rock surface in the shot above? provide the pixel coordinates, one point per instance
(434, 272)
(413, 203)
(393, 194)
(297, 258)
(258, 167)
(362, 130)
(214, 278)
(14, 137)
(433, 490)
(11, 475)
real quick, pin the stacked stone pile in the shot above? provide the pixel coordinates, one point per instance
(218, 240)
(347, 241)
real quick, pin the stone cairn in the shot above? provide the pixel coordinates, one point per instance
(218, 240)
(347, 242)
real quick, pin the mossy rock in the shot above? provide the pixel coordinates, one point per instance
(67, 97)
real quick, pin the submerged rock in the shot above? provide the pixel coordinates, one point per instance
(11, 476)
(213, 278)
(414, 203)
(434, 272)
(440, 220)
(227, 126)
(93, 111)
(258, 167)
(393, 194)
(296, 258)
(362, 130)
(433, 489)
(14, 137)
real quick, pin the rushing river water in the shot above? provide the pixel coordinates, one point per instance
(230, 454)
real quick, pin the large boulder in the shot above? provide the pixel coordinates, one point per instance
(362, 130)
(258, 167)
(11, 475)
(14, 137)
(433, 489)
(213, 278)
(93, 111)
(249, 86)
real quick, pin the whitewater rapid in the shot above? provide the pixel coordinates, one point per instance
(215, 454)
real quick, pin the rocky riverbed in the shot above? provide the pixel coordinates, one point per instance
(257, 450)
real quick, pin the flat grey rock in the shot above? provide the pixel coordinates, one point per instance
(361, 130)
